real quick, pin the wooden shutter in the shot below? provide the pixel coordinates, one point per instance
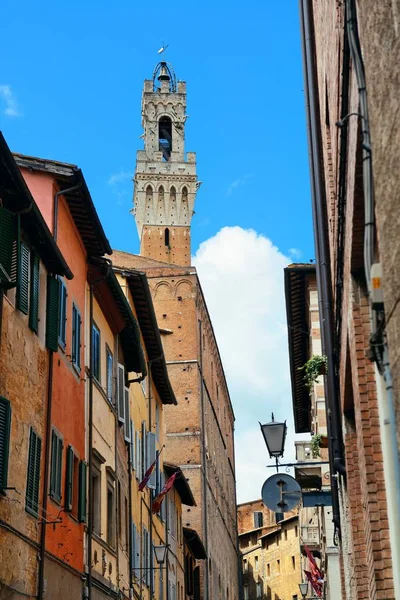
(56, 466)
(163, 511)
(133, 547)
(34, 297)
(132, 445)
(138, 456)
(151, 457)
(52, 312)
(5, 426)
(8, 238)
(161, 585)
(69, 483)
(144, 451)
(127, 423)
(138, 554)
(121, 395)
(109, 376)
(63, 314)
(33, 473)
(82, 492)
(23, 279)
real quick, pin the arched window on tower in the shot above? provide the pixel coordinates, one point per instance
(185, 205)
(166, 237)
(149, 200)
(165, 137)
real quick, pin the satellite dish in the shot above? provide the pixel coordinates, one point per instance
(281, 493)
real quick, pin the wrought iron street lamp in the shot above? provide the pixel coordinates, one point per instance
(274, 434)
(303, 587)
(160, 553)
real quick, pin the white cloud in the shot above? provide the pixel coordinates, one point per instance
(11, 106)
(241, 273)
(119, 177)
(295, 253)
(238, 182)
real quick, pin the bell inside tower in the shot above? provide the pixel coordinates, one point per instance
(165, 137)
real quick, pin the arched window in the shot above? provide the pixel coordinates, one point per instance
(161, 194)
(165, 137)
(184, 194)
(149, 193)
(172, 194)
(166, 236)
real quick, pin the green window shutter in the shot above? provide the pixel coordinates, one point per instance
(69, 479)
(63, 314)
(52, 312)
(5, 425)
(56, 466)
(76, 337)
(8, 237)
(33, 473)
(82, 491)
(23, 279)
(34, 299)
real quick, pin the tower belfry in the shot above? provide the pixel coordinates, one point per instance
(165, 179)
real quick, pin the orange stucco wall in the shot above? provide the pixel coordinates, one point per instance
(65, 540)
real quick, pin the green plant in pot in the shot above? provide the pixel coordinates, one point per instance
(316, 445)
(314, 368)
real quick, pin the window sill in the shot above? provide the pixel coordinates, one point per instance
(104, 544)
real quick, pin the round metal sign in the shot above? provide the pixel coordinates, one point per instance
(281, 493)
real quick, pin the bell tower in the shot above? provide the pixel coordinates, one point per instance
(165, 181)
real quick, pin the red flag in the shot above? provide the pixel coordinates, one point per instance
(316, 585)
(158, 500)
(316, 573)
(148, 473)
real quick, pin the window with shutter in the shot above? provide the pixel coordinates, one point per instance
(138, 456)
(56, 466)
(133, 547)
(163, 511)
(33, 474)
(5, 426)
(23, 279)
(34, 294)
(76, 338)
(258, 519)
(96, 352)
(144, 451)
(121, 393)
(138, 554)
(8, 247)
(52, 312)
(132, 445)
(62, 327)
(82, 492)
(127, 423)
(109, 365)
(69, 483)
(151, 457)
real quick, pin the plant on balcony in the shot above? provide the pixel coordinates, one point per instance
(316, 445)
(313, 368)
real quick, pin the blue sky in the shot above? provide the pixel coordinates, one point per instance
(71, 79)
(76, 70)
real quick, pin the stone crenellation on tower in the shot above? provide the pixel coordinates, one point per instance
(165, 182)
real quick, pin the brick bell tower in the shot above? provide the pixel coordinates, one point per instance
(165, 181)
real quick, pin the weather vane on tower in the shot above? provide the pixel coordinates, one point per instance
(163, 48)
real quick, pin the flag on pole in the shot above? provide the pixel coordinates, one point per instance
(158, 500)
(316, 585)
(149, 472)
(314, 576)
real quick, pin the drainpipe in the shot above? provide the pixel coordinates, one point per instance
(322, 255)
(150, 511)
(130, 506)
(55, 210)
(90, 447)
(46, 476)
(204, 460)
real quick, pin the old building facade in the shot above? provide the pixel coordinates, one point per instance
(312, 470)
(83, 390)
(270, 553)
(351, 83)
(200, 433)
